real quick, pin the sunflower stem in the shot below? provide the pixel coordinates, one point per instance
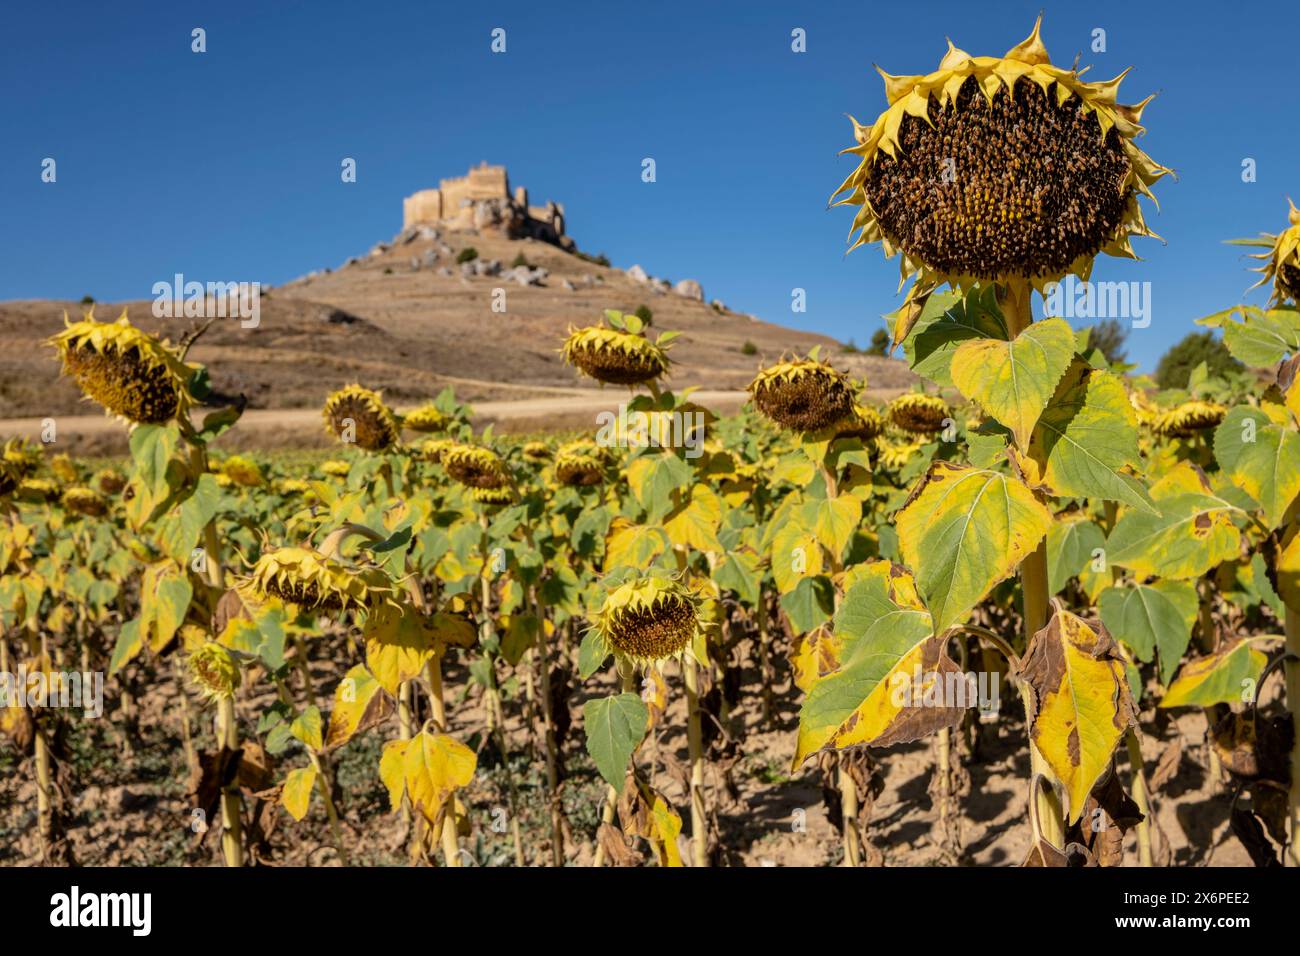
(232, 846)
(1141, 796)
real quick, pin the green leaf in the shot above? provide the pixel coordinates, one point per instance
(1013, 381)
(129, 644)
(964, 531)
(1263, 338)
(1148, 619)
(1087, 434)
(833, 521)
(1191, 534)
(810, 604)
(615, 727)
(1260, 457)
(592, 653)
(1070, 549)
(946, 321)
(307, 728)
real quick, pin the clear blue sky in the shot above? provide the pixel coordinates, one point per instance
(225, 165)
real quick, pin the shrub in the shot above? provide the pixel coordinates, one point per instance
(87, 300)
(644, 313)
(468, 254)
(1176, 365)
(749, 348)
(519, 260)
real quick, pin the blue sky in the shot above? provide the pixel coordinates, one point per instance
(225, 165)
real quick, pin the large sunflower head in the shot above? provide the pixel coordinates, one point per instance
(85, 501)
(919, 414)
(1281, 260)
(426, 418)
(648, 619)
(1000, 168)
(1189, 418)
(306, 579)
(804, 395)
(38, 489)
(214, 671)
(359, 416)
(580, 464)
(129, 372)
(615, 356)
(475, 467)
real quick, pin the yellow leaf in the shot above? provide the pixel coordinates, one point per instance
(433, 765)
(357, 701)
(398, 645)
(296, 793)
(1082, 704)
(694, 523)
(795, 556)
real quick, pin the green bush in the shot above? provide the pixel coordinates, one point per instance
(749, 348)
(87, 300)
(1176, 365)
(521, 261)
(468, 254)
(644, 314)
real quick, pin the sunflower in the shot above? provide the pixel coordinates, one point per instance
(537, 451)
(426, 418)
(242, 471)
(919, 414)
(494, 496)
(304, 578)
(894, 456)
(1185, 420)
(614, 356)
(336, 468)
(475, 467)
(129, 372)
(293, 486)
(431, 449)
(10, 478)
(865, 424)
(803, 395)
(357, 415)
(110, 481)
(999, 168)
(64, 469)
(38, 489)
(648, 619)
(1281, 261)
(85, 501)
(214, 671)
(580, 463)
(22, 457)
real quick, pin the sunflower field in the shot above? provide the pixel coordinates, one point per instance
(549, 650)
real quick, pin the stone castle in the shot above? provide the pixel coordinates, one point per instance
(482, 200)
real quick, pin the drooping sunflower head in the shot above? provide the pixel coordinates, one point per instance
(648, 619)
(475, 467)
(110, 481)
(804, 395)
(1281, 260)
(496, 497)
(357, 415)
(129, 372)
(866, 424)
(919, 414)
(615, 356)
(85, 501)
(431, 449)
(65, 469)
(306, 579)
(22, 457)
(537, 451)
(336, 468)
(38, 489)
(1000, 168)
(293, 486)
(426, 418)
(894, 456)
(214, 671)
(243, 471)
(580, 464)
(1189, 418)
